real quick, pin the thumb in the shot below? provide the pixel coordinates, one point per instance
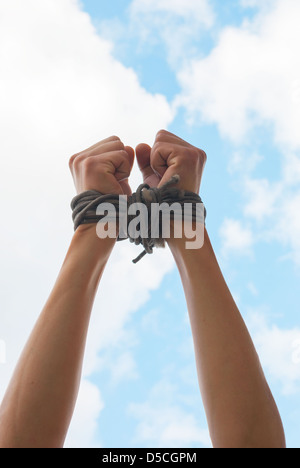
(130, 153)
(124, 183)
(143, 153)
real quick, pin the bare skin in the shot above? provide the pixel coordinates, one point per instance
(240, 409)
(39, 402)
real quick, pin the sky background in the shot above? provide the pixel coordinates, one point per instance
(225, 76)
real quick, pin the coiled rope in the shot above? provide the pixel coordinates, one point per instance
(84, 207)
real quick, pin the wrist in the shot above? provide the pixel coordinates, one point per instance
(188, 237)
(188, 260)
(88, 255)
(86, 236)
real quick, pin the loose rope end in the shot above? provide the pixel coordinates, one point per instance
(173, 181)
(142, 255)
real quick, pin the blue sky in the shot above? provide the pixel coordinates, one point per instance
(226, 77)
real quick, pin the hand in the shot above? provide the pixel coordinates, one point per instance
(171, 155)
(104, 167)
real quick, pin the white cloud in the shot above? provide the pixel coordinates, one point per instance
(186, 9)
(270, 209)
(124, 368)
(84, 425)
(152, 321)
(236, 237)
(60, 91)
(279, 351)
(287, 225)
(257, 3)
(241, 163)
(177, 23)
(164, 423)
(253, 289)
(250, 78)
(168, 427)
(123, 289)
(291, 170)
(262, 197)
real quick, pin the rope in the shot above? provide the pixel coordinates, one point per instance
(84, 208)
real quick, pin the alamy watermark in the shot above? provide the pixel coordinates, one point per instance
(189, 221)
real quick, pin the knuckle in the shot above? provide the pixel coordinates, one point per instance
(194, 151)
(161, 134)
(72, 159)
(204, 156)
(125, 161)
(114, 138)
(78, 161)
(120, 146)
(114, 145)
(157, 146)
(88, 164)
(117, 144)
(198, 154)
(123, 153)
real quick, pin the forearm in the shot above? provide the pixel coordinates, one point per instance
(39, 402)
(239, 405)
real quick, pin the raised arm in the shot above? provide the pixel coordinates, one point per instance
(39, 402)
(240, 409)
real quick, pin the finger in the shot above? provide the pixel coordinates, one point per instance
(169, 159)
(111, 149)
(124, 183)
(173, 170)
(167, 137)
(143, 153)
(130, 154)
(121, 163)
(108, 171)
(109, 144)
(159, 158)
(105, 147)
(125, 187)
(101, 143)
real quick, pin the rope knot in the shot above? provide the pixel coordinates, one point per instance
(148, 201)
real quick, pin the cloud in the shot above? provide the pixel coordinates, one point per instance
(279, 351)
(84, 425)
(236, 237)
(163, 422)
(287, 226)
(177, 24)
(61, 90)
(262, 197)
(257, 3)
(173, 28)
(188, 10)
(124, 368)
(168, 426)
(250, 78)
(269, 208)
(124, 288)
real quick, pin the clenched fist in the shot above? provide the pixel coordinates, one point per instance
(171, 155)
(104, 167)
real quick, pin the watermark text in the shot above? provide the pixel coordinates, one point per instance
(136, 222)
